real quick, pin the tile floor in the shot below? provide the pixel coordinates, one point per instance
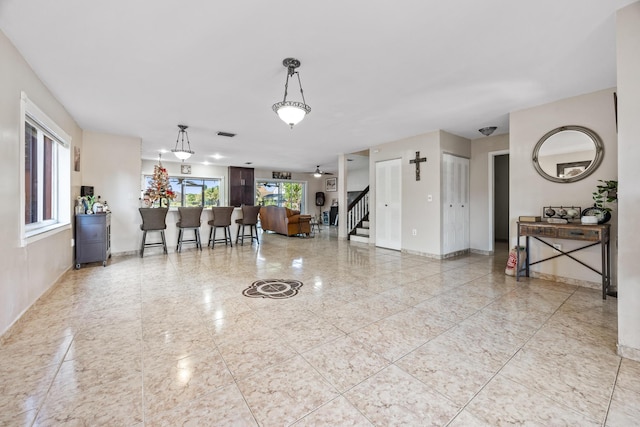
(374, 337)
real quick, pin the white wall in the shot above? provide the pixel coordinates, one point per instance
(530, 192)
(111, 164)
(27, 272)
(417, 212)
(357, 172)
(628, 39)
(480, 224)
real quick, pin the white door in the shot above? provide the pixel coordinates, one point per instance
(455, 204)
(389, 204)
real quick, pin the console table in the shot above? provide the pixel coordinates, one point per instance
(592, 235)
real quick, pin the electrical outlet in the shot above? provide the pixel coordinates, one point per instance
(429, 198)
(414, 232)
(557, 247)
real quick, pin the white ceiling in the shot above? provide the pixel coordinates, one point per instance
(373, 71)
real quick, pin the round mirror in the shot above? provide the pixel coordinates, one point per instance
(568, 154)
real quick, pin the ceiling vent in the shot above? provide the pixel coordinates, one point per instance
(227, 134)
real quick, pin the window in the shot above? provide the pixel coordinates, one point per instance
(290, 194)
(45, 167)
(192, 191)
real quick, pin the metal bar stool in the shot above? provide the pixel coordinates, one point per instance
(189, 220)
(153, 219)
(249, 219)
(221, 219)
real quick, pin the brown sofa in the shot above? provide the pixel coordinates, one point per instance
(284, 221)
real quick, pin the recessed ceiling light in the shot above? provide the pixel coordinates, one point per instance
(217, 156)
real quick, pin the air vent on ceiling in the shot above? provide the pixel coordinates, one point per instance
(227, 134)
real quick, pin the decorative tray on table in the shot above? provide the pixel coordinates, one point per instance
(559, 213)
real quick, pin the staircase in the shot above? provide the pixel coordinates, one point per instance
(358, 218)
(361, 234)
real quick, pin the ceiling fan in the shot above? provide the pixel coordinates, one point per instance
(318, 173)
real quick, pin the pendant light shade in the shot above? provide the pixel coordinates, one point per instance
(180, 151)
(486, 131)
(291, 112)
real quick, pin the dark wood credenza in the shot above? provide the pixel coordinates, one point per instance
(93, 238)
(591, 235)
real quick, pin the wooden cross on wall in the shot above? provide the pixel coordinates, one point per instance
(417, 162)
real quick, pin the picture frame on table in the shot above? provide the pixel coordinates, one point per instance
(330, 184)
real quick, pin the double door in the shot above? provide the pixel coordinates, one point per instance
(455, 204)
(389, 204)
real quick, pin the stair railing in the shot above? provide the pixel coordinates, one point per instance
(358, 211)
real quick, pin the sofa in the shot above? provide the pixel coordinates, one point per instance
(285, 221)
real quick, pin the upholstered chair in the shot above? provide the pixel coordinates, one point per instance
(249, 219)
(153, 219)
(189, 220)
(221, 219)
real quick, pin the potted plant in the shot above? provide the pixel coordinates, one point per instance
(606, 192)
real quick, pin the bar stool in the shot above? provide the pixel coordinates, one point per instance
(250, 219)
(153, 219)
(189, 220)
(221, 219)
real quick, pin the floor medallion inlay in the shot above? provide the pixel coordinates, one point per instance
(273, 288)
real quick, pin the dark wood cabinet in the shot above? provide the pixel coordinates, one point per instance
(93, 238)
(241, 186)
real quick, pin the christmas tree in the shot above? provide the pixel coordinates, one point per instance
(160, 188)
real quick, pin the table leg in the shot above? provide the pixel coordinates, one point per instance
(526, 254)
(604, 270)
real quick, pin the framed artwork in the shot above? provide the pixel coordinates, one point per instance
(330, 184)
(281, 175)
(567, 170)
(185, 169)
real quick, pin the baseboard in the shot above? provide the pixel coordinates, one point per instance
(567, 280)
(628, 352)
(481, 252)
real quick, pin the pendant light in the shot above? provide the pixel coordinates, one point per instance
(182, 153)
(291, 112)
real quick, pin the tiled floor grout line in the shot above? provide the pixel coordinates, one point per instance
(53, 379)
(613, 389)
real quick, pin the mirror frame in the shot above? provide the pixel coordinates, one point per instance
(597, 142)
